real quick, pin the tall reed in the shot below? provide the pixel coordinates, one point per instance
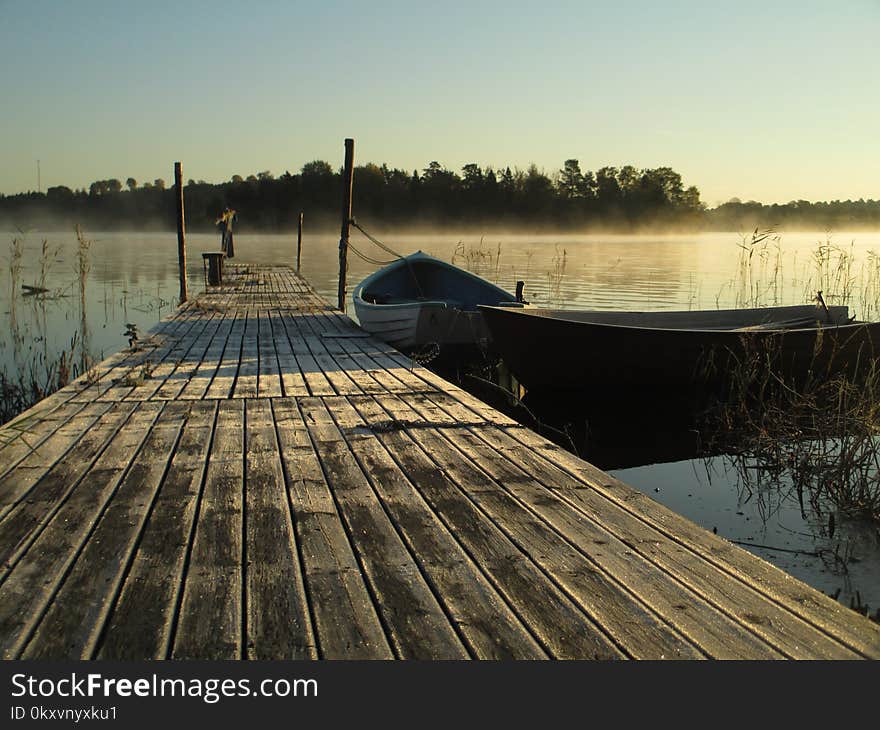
(16, 251)
(823, 441)
(759, 269)
(37, 372)
(38, 377)
(481, 260)
(820, 432)
(556, 275)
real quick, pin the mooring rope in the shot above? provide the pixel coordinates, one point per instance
(387, 249)
(368, 259)
(375, 240)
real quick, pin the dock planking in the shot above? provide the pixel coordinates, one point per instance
(259, 479)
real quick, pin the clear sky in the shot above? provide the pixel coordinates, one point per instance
(774, 100)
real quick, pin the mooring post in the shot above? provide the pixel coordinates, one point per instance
(346, 219)
(181, 230)
(299, 241)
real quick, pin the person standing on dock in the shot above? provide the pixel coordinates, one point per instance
(224, 223)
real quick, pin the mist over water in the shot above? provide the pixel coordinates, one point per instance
(617, 272)
(133, 278)
(134, 275)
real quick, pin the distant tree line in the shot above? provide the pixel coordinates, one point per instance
(569, 198)
(833, 215)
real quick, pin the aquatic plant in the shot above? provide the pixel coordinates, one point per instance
(36, 379)
(759, 269)
(16, 251)
(821, 433)
(484, 261)
(15, 256)
(38, 372)
(762, 280)
(556, 275)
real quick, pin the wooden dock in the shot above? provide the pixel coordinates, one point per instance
(259, 479)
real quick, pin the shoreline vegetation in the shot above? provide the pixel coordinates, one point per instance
(40, 372)
(610, 199)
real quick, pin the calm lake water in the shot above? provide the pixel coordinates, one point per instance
(132, 278)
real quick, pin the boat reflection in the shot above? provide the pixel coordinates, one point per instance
(611, 429)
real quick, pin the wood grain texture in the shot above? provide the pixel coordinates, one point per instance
(210, 624)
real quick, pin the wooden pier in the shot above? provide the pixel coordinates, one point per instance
(259, 479)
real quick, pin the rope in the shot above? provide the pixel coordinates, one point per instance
(387, 249)
(368, 259)
(376, 240)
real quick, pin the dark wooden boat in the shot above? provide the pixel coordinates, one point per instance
(555, 350)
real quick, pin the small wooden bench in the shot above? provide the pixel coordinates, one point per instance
(212, 263)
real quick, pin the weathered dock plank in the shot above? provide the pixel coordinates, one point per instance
(257, 478)
(345, 617)
(278, 621)
(72, 623)
(626, 622)
(141, 622)
(211, 623)
(579, 483)
(29, 437)
(488, 625)
(32, 494)
(414, 619)
(47, 439)
(45, 538)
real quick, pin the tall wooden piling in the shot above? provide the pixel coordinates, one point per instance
(181, 229)
(299, 241)
(348, 174)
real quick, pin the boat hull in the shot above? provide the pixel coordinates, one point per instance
(554, 354)
(407, 327)
(421, 303)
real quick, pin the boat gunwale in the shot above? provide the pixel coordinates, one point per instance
(739, 330)
(419, 256)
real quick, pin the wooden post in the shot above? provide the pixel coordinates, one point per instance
(346, 219)
(181, 230)
(299, 241)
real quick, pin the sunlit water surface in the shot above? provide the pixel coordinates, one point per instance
(133, 278)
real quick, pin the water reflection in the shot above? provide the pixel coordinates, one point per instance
(844, 563)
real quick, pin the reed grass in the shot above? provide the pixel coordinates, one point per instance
(38, 378)
(480, 259)
(556, 275)
(48, 255)
(820, 434)
(759, 268)
(37, 372)
(822, 438)
(16, 251)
